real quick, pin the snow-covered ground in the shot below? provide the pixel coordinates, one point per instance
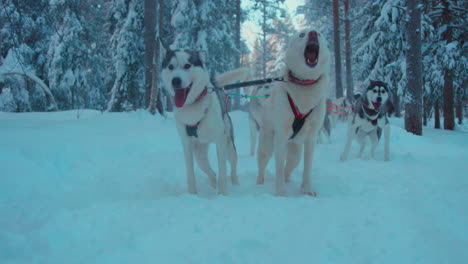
(111, 188)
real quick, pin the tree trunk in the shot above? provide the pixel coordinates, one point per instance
(449, 117)
(460, 112)
(236, 101)
(436, 115)
(425, 112)
(155, 98)
(348, 55)
(149, 21)
(397, 104)
(413, 107)
(336, 34)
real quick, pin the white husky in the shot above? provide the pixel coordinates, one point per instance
(294, 114)
(200, 115)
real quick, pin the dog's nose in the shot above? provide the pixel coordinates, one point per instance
(176, 82)
(313, 34)
(379, 99)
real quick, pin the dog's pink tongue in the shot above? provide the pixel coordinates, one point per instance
(376, 106)
(180, 97)
(312, 56)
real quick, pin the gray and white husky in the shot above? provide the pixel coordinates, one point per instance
(261, 95)
(201, 117)
(294, 114)
(369, 119)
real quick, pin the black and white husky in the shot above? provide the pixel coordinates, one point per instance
(201, 117)
(260, 96)
(370, 119)
(294, 114)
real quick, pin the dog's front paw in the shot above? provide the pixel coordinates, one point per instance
(280, 191)
(307, 190)
(192, 190)
(387, 158)
(222, 190)
(343, 157)
(260, 180)
(235, 180)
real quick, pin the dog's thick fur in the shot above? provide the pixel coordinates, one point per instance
(369, 119)
(278, 117)
(260, 95)
(201, 118)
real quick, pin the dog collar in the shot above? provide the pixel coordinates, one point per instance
(202, 94)
(371, 117)
(298, 81)
(299, 118)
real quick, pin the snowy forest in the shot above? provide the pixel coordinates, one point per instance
(83, 54)
(98, 166)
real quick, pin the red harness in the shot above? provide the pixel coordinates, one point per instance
(296, 112)
(299, 118)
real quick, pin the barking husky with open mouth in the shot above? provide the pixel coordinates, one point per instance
(201, 117)
(294, 114)
(369, 118)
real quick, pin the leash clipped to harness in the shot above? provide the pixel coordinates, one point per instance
(337, 107)
(299, 118)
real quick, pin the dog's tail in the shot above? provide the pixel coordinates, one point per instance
(240, 74)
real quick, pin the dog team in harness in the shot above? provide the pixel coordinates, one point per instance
(288, 114)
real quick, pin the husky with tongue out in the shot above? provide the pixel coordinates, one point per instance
(369, 119)
(294, 114)
(201, 117)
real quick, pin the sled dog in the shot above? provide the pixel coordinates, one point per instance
(294, 114)
(369, 119)
(201, 117)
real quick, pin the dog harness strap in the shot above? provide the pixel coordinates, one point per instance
(192, 130)
(298, 81)
(299, 118)
(202, 94)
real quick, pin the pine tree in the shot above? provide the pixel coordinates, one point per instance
(75, 68)
(127, 51)
(25, 32)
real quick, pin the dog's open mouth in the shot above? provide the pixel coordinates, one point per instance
(181, 96)
(311, 54)
(376, 105)
(311, 51)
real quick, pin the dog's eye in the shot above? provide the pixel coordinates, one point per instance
(383, 91)
(170, 67)
(302, 35)
(187, 66)
(375, 91)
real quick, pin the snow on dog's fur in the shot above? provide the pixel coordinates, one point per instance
(200, 115)
(369, 119)
(307, 71)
